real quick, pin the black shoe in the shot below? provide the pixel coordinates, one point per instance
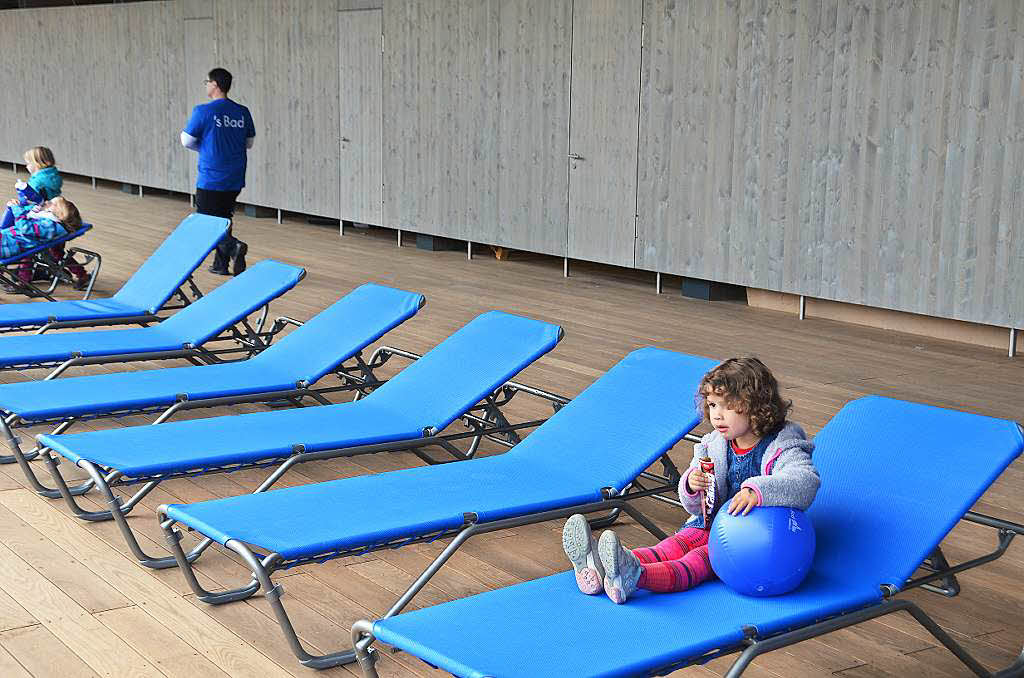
(238, 257)
(218, 271)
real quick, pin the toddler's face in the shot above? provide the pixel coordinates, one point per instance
(58, 206)
(732, 424)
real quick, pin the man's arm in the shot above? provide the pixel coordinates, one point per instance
(189, 141)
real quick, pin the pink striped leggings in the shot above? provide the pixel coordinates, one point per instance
(677, 563)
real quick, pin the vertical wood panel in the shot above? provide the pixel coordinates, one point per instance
(360, 85)
(441, 101)
(603, 130)
(533, 142)
(284, 57)
(199, 60)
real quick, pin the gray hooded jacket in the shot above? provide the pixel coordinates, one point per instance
(788, 477)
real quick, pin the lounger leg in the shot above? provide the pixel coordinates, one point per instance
(944, 638)
(23, 461)
(273, 593)
(1013, 670)
(184, 562)
(362, 637)
(69, 494)
(119, 510)
(948, 585)
(14, 444)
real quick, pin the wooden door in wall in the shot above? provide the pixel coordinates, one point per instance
(603, 129)
(360, 52)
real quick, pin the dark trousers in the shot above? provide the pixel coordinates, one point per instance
(219, 204)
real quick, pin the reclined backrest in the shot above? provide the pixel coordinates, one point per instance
(329, 337)
(170, 264)
(465, 367)
(622, 422)
(208, 316)
(895, 478)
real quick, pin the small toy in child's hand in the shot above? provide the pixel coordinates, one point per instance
(20, 185)
(766, 553)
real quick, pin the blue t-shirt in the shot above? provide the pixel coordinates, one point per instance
(222, 127)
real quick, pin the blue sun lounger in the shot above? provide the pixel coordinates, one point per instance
(596, 446)
(871, 538)
(180, 336)
(285, 370)
(464, 377)
(162, 275)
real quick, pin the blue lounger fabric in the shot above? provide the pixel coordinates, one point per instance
(616, 428)
(194, 324)
(308, 353)
(145, 292)
(869, 533)
(432, 392)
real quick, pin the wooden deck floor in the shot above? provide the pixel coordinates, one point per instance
(73, 603)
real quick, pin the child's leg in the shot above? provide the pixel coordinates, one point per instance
(673, 548)
(8, 218)
(677, 575)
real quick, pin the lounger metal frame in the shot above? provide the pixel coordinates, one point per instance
(752, 646)
(264, 565)
(485, 421)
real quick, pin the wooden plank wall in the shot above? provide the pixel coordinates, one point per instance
(107, 106)
(861, 152)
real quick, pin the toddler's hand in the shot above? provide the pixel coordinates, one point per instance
(697, 481)
(745, 500)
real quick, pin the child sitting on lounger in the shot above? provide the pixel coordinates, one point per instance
(36, 224)
(760, 459)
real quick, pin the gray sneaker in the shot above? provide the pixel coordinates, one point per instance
(622, 569)
(580, 546)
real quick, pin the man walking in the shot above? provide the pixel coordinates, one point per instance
(221, 131)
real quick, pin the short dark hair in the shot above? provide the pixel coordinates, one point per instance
(222, 78)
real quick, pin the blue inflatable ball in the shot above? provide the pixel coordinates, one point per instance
(767, 552)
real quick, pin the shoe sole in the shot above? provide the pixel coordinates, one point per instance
(578, 544)
(610, 551)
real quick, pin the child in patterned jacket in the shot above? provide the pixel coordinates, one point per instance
(760, 459)
(37, 224)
